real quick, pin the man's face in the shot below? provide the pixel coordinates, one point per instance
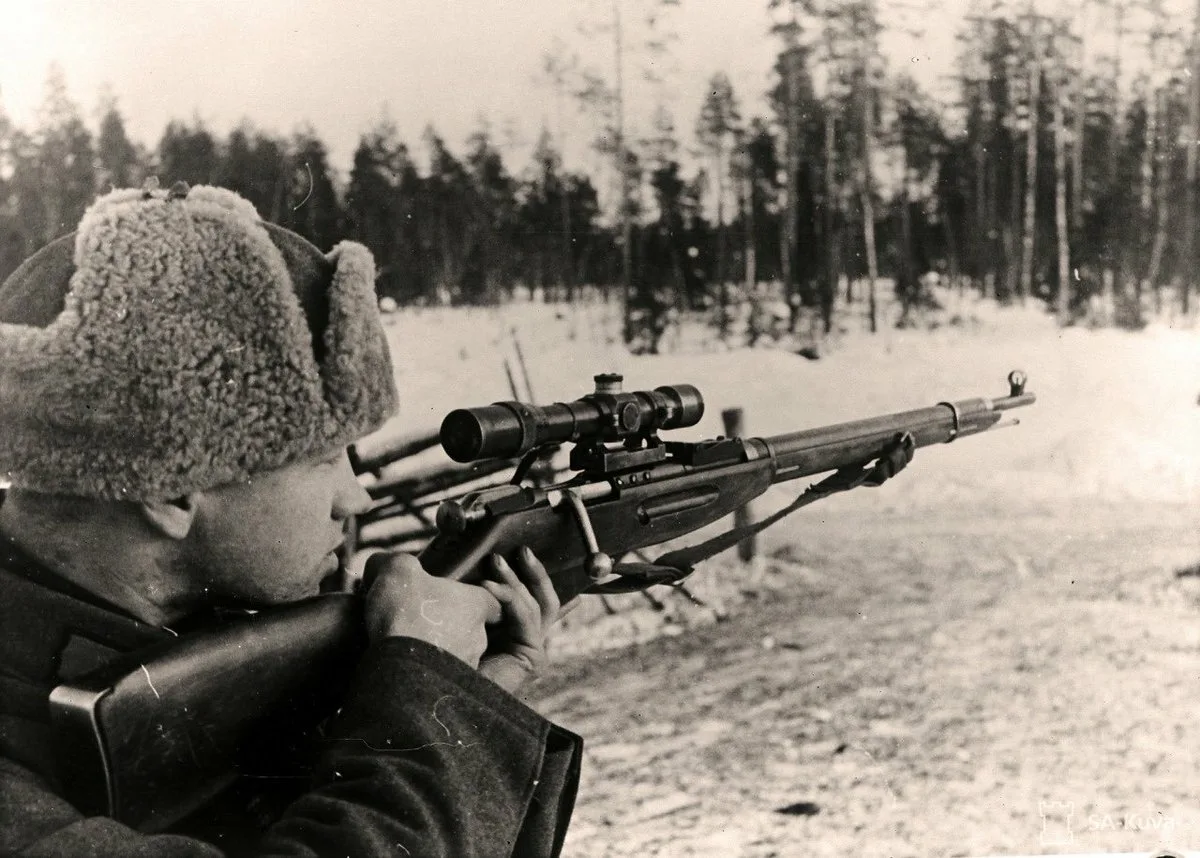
(273, 538)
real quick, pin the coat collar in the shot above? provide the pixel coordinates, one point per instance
(51, 631)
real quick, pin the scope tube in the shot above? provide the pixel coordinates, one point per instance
(509, 429)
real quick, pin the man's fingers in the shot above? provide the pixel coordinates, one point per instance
(533, 575)
(505, 572)
(509, 590)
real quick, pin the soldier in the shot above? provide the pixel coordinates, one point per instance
(178, 384)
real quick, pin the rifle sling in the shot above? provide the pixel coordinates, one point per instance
(674, 566)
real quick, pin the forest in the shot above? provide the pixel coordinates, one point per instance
(1062, 170)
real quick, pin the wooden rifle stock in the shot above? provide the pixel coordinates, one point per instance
(152, 738)
(149, 739)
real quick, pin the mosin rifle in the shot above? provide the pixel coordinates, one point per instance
(150, 739)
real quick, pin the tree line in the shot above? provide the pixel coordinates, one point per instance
(1061, 171)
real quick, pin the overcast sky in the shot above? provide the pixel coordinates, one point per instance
(340, 65)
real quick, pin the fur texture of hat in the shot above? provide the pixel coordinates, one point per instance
(180, 355)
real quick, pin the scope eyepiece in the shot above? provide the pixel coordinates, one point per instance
(510, 429)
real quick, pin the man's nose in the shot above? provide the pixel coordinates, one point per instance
(350, 498)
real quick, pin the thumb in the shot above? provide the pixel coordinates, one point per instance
(378, 562)
(488, 605)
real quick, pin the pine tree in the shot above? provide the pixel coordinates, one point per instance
(65, 163)
(15, 243)
(257, 166)
(119, 163)
(373, 213)
(313, 210)
(188, 153)
(717, 129)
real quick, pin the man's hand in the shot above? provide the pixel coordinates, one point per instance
(403, 600)
(517, 651)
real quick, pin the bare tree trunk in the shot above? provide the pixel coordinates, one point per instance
(991, 214)
(1188, 265)
(832, 255)
(955, 264)
(868, 211)
(907, 276)
(868, 207)
(1031, 158)
(751, 246)
(568, 268)
(722, 276)
(1060, 194)
(721, 269)
(1114, 280)
(1076, 101)
(1161, 178)
(791, 224)
(1150, 157)
(1011, 230)
(1149, 147)
(623, 175)
(982, 238)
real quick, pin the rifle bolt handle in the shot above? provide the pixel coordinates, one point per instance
(599, 566)
(451, 517)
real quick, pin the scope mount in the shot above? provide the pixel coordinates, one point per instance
(627, 443)
(598, 457)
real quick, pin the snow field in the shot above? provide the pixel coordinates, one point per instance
(1117, 417)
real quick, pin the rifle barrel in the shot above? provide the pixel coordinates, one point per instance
(435, 478)
(814, 451)
(373, 453)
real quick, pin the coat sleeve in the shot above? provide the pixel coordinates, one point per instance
(426, 758)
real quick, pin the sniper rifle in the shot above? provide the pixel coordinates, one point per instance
(149, 739)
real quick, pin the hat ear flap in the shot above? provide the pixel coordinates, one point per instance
(357, 370)
(35, 294)
(312, 277)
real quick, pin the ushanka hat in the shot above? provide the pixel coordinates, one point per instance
(177, 342)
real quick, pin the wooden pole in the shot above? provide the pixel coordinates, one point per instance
(734, 421)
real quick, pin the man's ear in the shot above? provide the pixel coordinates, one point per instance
(172, 518)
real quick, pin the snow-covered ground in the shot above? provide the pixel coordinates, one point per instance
(922, 669)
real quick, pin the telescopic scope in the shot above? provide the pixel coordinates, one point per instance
(510, 429)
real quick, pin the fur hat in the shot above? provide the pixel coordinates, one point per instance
(176, 342)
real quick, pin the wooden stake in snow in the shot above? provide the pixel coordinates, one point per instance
(743, 517)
